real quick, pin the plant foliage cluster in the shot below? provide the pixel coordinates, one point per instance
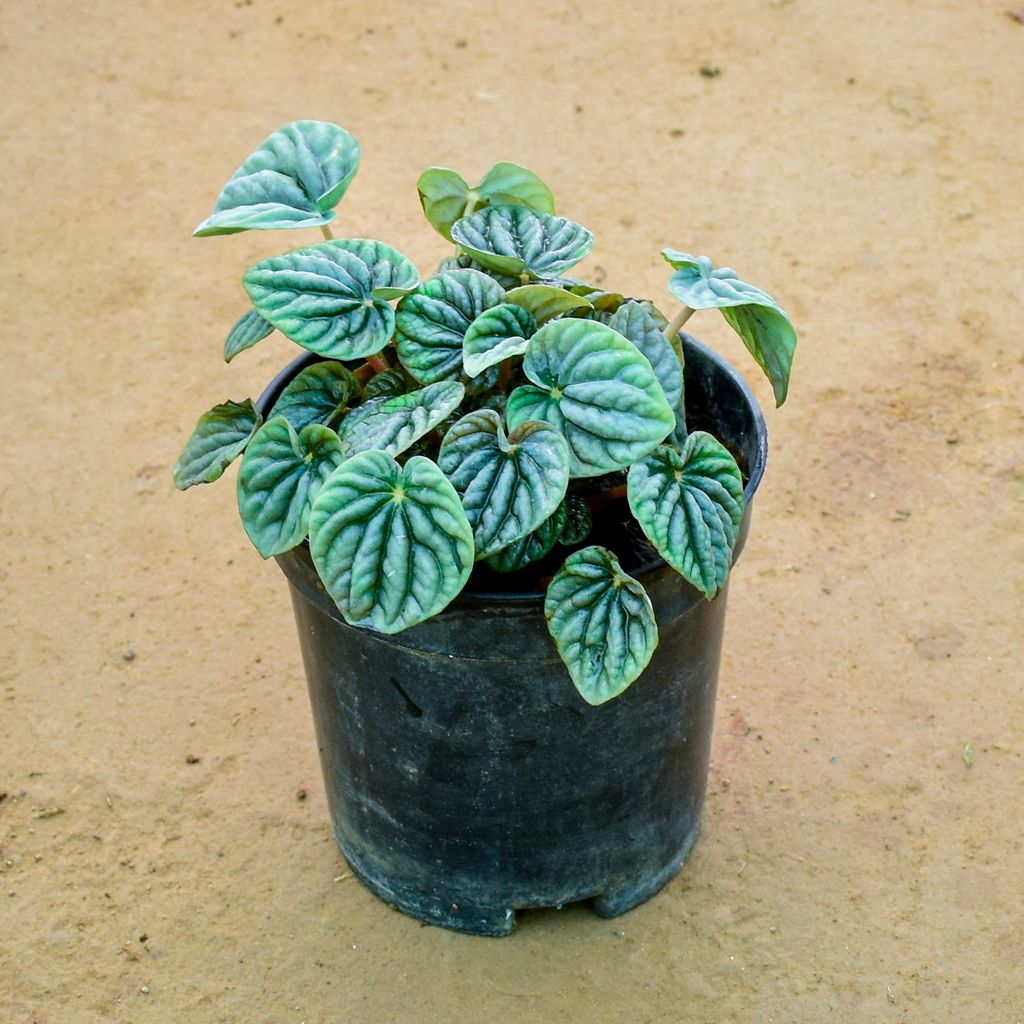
(476, 414)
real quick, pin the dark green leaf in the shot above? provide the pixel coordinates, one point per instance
(218, 439)
(496, 334)
(387, 384)
(531, 548)
(249, 329)
(316, 394)
(578, 522)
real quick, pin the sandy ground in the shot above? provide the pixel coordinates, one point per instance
(861, 161)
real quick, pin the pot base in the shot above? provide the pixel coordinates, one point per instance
(449, 909)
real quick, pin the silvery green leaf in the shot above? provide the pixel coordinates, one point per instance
(392, 424)
(322, 297)
(393, 273)
(387, 384)
(295, 179)
(508, 485)
(496, 334)
(281, 475)
(690, 505)
(433, 321)
(391, 544)
(219, 438)
(531, 548)
(516, 240)
(546, 301)
(249, 329)
(754, 315)
(597, 389)
(316, 394)
(578, 521)
(445, 195)
(602, 623)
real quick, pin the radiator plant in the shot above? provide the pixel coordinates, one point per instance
(477, 414)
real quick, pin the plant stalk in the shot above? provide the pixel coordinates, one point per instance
(378, 364)
(678, 320)
(325, 230)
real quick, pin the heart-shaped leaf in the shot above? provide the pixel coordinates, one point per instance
(516, 240)
(294, 180)
(446, 197)
(602, 622)
(754, 315)
(392, 545)
(508, 484)
(578, 521)
(393, 424)
(249, 329)
(393, 274)
(281, 475)
(690, 505)
(533, 547)
(598, 390)
(496, 334)
(387, 384)
(219, 438)
(545, 301)
(433, 320)
(316, 394)
(322, 297)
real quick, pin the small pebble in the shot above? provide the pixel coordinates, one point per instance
(144, 990)
(128, 654)
(192, 759)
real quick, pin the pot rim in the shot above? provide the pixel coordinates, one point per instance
(755, 470)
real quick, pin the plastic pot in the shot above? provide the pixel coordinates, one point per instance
(466, 777)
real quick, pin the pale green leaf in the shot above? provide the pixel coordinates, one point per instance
(508, 485)
(597, 389)
(546, 301)
(220, 436)
(533, 547)
(754, 315)
(295, 179)
(690, 506)
(432, 322)
(602, 623)
(443, 196)
(282, 473)
(392, 545)
(516, 240)
(508, 184)
(496, 334)
(393, 424)
(316, 394)
(249, 329)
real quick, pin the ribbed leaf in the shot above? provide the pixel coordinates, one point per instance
(392, 545)
(508, 484)
(515, 240)
(322, 297)
(387, 384)
(393, 424)
(578, 521)
(433, 320)
(598, 390)
(294, 180)
(496, 334)
(754, 315)
(533, 547)
(393, 274)
(690, 506)
(602, 622)
(316, 394)
(249, 329)
(281, 475)
(545, 301)
(219, 438)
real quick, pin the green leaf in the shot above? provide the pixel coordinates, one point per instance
(545, 301)
(602, 301)
(444, 194)
(393, 424)
(602, 622)
(754, 315)
(690, 505)
(322, 297)
(533, 547)
(508, 485)
(387, 384)
(515, 240)
(316, 394)
(282, 473)
(633, 322)
(496, 334)
(392, 545)
(294, 180)
(249, 329)
(598, 390)
(578, 521)
(393, 274)
(433, 321)
(219, 438)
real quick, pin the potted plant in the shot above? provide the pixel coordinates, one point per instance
(507, 502)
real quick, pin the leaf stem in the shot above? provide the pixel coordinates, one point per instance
(678, 320)
(378, 364)
(505, 375)
(471, 201)
(325, 230)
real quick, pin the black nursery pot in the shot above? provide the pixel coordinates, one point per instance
(466, 777)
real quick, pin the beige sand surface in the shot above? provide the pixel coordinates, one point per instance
(863, 161)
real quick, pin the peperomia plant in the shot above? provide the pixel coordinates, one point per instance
(484, 414)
